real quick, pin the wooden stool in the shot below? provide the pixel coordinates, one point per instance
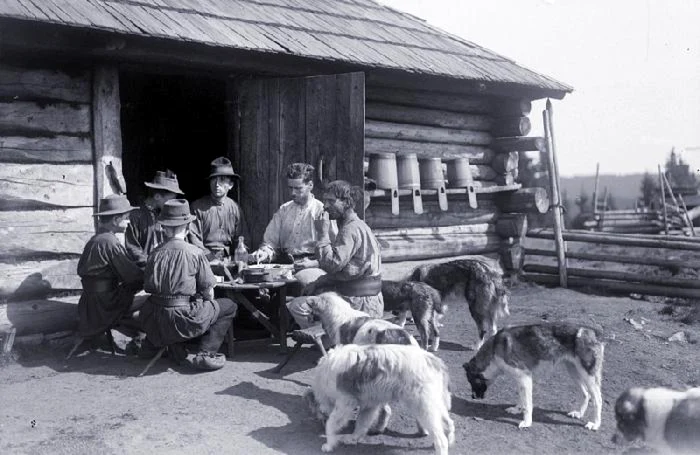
(80, 340)
(153, 360)
(311, 335)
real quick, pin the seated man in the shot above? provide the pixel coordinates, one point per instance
(219, 219)
(142, 236)
(182, 306)
(290, 236)
(352, 261)
(110, 278)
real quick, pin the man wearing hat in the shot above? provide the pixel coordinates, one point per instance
(218, 218)
(181, 306)
(142, 236)
(110, 278)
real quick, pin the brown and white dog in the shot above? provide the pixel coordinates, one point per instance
(483, 285)
(368, 378)
(518, 351)
(425, 304)
(344, 324)
(668, 420)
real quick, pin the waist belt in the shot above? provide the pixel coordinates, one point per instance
(363, 287)
(99, 284)
(170, 301)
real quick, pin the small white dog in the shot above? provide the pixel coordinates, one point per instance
(369, 377)
(668, 420)
(344, 324)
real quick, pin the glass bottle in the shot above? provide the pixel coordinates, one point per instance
(240, 255)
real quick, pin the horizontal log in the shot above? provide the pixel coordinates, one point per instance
(525, 200)
(19, 83)
(621, 240)
(511, 126)
(428, 99)
(38, 279)
(480, 228)
(46, 185)
(477, 154)
(400, 271)
(614, 275)
(41, 233)
(40, 316)
(508, 107)
(509, 178)
(388, 130)
(378, 215)
(512, 225)
(429, 246)
(505, 162)
(56, 149)
(650, 229)
(519, 144)
(680, 237)
(430, 117)
(45, 119)
(619, 258)
(614, 286)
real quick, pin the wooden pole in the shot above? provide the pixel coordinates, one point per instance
(595, 188)
(663, 200)
(676, 206)
(556, 202)
(687, 216)
(619, 239)
(550, 115)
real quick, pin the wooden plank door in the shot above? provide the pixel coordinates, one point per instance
(317, 120)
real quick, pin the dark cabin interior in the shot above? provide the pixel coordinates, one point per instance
(175, 122)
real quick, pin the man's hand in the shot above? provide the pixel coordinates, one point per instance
(322, 227)
(259, 256)
(305, 263)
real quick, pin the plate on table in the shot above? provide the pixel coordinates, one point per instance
(270, 272)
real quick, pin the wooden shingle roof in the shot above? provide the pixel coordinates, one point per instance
(360, 32)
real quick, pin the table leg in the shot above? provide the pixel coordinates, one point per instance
(257, 314)
(283, 317)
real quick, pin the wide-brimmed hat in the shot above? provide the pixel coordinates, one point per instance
(175, 212)
(113, 204)
(222, 167)
(166, 181)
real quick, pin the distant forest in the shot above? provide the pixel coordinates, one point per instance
(624, 189)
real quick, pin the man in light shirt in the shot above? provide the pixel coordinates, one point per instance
(290, 235)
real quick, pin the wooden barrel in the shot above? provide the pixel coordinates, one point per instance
(382, 169)
(409, 173)
(431, 173)
(457, 171)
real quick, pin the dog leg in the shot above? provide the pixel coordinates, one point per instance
(423, 331)
(430, 418)
(436, 334)
(525, 394)
(593, 384)
(364, 421)
(401, 318)
(449, 423)
(382, 420)
(339, 417)
(580, 380)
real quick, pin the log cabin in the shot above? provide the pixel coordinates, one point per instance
(96, 95)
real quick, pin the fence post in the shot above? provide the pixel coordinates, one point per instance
(556, 201)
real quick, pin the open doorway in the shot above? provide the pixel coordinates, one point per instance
(174, 122)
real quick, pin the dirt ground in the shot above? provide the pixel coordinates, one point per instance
(94, 403)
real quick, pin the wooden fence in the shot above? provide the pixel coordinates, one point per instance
(663, 260)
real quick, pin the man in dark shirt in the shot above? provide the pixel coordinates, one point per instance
(110, 278)
(218, 218)
(181, 306)
(142, 236)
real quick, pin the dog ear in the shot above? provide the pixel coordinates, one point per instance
(393, 336)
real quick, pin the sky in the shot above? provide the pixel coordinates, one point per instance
(634, 66)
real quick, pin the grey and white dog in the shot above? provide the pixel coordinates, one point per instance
(518, 351)
(368, 378)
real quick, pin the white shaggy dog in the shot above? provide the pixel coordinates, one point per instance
(369, 377)
(666, 419)
(344, 325)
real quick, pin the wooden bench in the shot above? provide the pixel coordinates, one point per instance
(311, 335)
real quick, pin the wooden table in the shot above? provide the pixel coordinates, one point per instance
(235, 291)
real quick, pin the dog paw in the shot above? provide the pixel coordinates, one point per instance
(525, 424)
(327, 447)
(514, 410)
(575, 414)
(592, 426)
(351, 440)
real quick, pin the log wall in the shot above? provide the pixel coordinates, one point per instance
(431, 125)
(46, 179)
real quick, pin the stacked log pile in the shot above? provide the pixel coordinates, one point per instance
(487, 130)
(46, 179)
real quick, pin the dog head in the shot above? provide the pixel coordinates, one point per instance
(476, 379)
(322, 303)
(420, 273)
(630, 415)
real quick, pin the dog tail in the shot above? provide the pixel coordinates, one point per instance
(438, 306)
